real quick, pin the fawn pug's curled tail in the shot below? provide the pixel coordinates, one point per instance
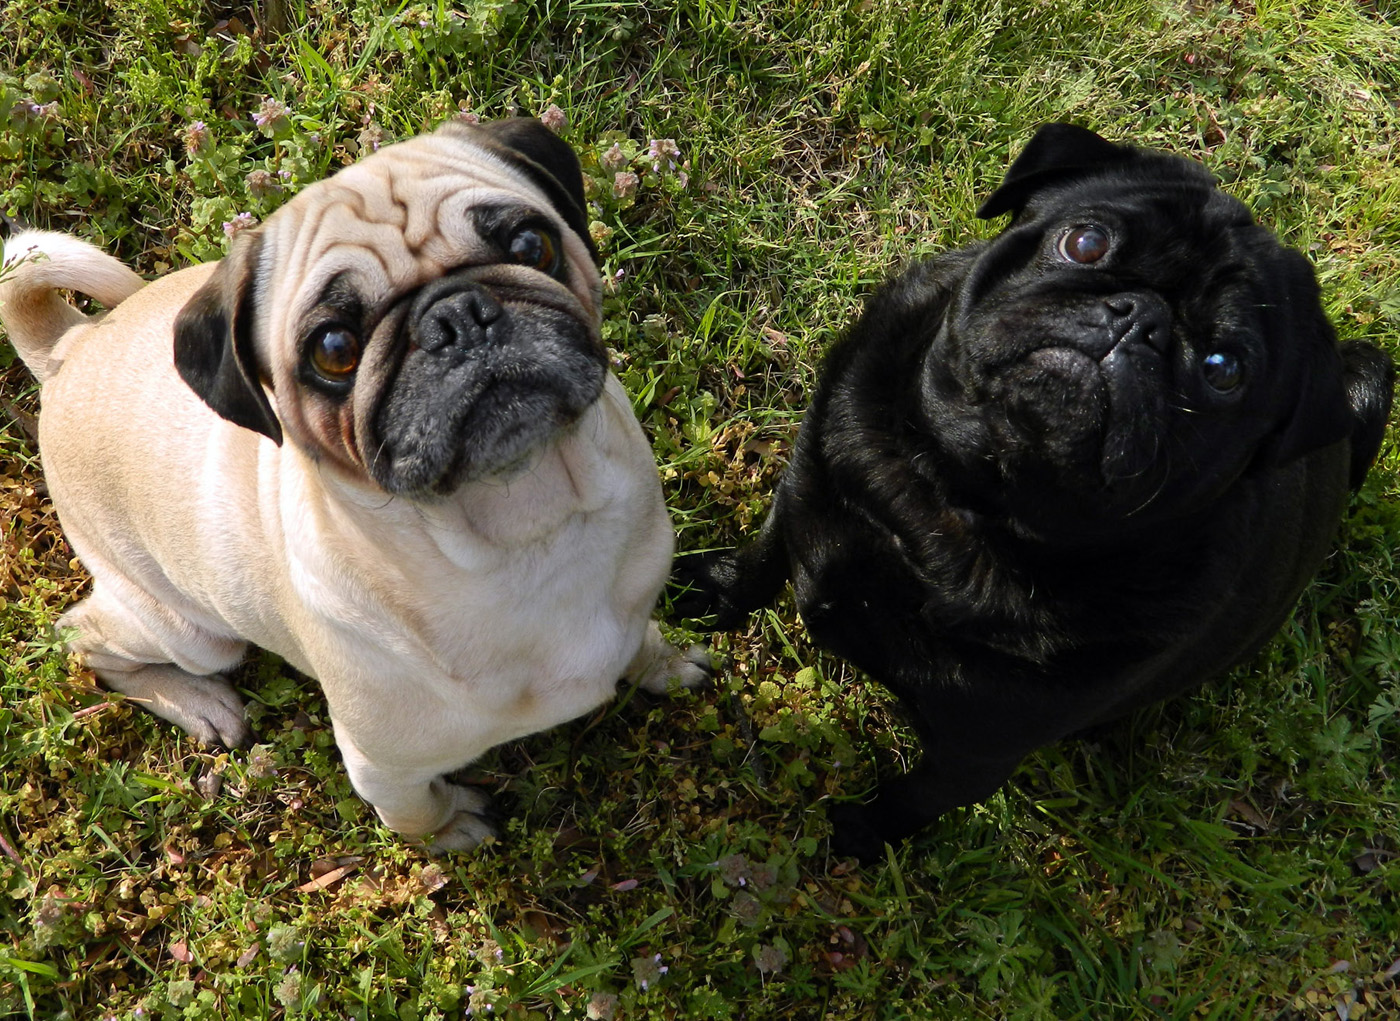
(38, 265)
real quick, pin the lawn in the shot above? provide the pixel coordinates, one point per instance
(1231, 854)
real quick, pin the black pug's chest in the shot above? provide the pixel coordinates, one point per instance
(927, 594)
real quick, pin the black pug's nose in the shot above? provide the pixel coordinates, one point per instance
(1141, 319)
(453, 313)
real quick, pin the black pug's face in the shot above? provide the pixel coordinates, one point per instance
(1130, 344)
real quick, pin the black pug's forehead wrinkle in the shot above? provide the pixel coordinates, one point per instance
(996, 262)
(1147, 222)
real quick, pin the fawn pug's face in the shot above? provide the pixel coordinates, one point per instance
(424, 318)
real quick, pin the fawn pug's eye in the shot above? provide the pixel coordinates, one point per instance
(535, 247)
(334, 353)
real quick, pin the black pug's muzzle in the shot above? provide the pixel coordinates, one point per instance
(1081, 379)
(490, 371)
(1110, 353)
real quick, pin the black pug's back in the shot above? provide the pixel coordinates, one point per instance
(1056, 476)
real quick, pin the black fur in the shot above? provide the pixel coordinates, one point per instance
(1016, 501)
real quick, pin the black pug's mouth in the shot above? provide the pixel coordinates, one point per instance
(1091, 416)
(1054, 402)
(1077, 385)
(480, 404)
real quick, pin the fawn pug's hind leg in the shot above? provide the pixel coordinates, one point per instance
(128, 658)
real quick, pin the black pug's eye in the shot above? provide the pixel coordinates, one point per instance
(1084, 244)
(1222, 371)
(334, 353)
(536, 248)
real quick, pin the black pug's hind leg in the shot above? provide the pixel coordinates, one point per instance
(728, 585)
(906, 804)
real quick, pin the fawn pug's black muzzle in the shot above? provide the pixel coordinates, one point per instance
(490, 371)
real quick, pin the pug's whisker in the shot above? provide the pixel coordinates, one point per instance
(375, 459)
(1152, 497)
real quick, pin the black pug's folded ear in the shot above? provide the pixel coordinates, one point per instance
(1056, 151)
(1370, 382)
(214, 349)
(1320, 412)
(548, 160)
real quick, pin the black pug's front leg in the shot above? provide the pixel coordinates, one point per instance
(725, 586)
(975, 724)
(906, 804)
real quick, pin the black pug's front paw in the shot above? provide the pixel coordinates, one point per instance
(854, 834)
(700, 587)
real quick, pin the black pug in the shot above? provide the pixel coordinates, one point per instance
(1061, 474)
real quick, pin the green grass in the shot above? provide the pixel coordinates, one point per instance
(1231, 854)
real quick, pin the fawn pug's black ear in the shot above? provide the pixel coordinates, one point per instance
(214, 347)
(546, 159)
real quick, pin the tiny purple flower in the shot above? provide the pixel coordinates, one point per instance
(371, 137)
(270, 113)
(479, 1002)
(196, 138)
(734, 869)
(261, 762)
(663, 149)
(554, 119)
(770, 959)
(747, 908)
(27, 112)
(262, 183)
(602, 1007)
(240, 222)
(646, 970)
(625, 184)
(614, 159)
